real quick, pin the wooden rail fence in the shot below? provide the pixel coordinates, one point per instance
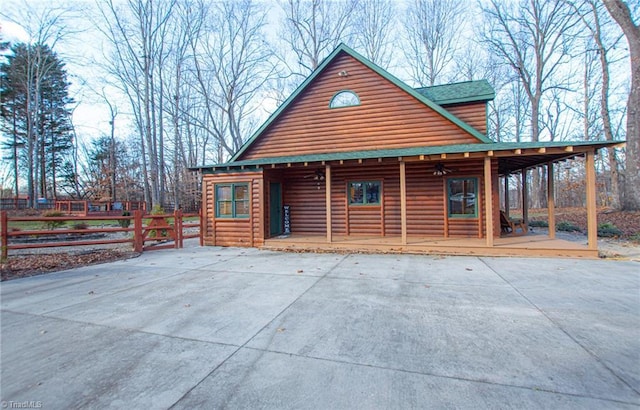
(148, 232)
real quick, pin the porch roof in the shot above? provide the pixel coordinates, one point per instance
(512, 156)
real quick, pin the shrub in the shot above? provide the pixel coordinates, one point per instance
(81, 225)
(51, 225)
(539, 224)
(635, 238)
(157, 210)
(565, 226)
(124, 223)
(608, 230)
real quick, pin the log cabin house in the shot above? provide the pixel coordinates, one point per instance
(357, 159)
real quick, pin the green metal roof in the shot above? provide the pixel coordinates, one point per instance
(408, 152)
(455, 93)
(342, 48)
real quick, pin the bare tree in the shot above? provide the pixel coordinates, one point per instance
(621, 13)
(138, 33)
(313, 28)
(434, 29)
(231, 64)
(374, 30)
(533, 39)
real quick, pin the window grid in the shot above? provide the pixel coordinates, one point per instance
(232, 200)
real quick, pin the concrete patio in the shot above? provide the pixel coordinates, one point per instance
(243, 328)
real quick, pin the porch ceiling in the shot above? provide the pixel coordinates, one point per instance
(511, 156)
(509, 165)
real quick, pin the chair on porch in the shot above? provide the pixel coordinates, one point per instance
(509, 226)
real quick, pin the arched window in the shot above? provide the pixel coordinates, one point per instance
(344, 98)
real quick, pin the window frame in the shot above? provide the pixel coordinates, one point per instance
(331, 101)
(233, 201)
(475, 213)
(364, 193)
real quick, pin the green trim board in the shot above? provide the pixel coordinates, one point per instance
(342, 48)
(407, 152)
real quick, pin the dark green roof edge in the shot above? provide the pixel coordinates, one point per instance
(388, 76)
(438, 93)
(406, 152)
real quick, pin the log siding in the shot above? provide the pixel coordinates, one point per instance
(426, 201)
(234, 231)
(386, 118)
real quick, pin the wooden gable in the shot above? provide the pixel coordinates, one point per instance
(387, 117)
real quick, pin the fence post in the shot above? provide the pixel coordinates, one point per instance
(138, 240)
(5, 235)
(201, 228)
(177, 228)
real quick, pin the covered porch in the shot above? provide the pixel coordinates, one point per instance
(412, 208)
(531, 245)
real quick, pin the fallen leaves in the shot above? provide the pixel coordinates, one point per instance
(19, 266)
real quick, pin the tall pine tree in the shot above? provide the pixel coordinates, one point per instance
(35, 116)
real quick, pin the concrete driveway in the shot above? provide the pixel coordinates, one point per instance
(243, 328)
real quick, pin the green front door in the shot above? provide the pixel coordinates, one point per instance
(275, 209)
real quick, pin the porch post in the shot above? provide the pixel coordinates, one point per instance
(507, 205)
(525, 198)
(488, 202)
(551, 201)
(403, 202)
(327, 184)
(592, 218)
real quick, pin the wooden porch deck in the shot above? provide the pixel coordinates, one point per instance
(530, 245)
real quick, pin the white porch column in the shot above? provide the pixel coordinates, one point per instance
(488, 202)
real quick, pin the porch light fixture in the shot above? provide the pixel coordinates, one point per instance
(440, 170)
(318, 177)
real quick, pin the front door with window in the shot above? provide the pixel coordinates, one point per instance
(275, 208)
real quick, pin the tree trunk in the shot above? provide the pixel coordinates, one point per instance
(620, 12)
(604, 109)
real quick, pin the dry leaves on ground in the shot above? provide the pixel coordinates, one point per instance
(19, 266)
